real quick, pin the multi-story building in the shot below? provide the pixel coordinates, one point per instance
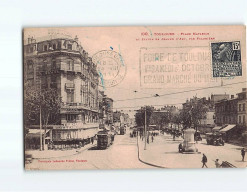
(226, 111)
(242, 102)
(108, 102)
(63, 64)
(105, 109)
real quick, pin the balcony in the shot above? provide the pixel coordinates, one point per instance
(72, 105)
(69, 126)
(75, 105)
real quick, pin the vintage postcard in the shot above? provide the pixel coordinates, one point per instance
(139, 97)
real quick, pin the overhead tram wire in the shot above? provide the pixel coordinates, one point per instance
(186, 91)
(135, 91)
(144, 106)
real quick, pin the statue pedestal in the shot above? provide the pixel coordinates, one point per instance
(189, 142)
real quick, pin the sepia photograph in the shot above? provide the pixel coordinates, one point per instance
(139, 97)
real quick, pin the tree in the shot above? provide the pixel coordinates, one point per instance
(140, 115)
(45, 103)
(192, 113)
(177, 118)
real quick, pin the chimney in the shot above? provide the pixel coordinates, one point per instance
(76, 38)
(29, 40)
(232, 96)
(33, 40)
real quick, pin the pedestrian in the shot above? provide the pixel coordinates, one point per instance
(180, 148)
(243, 154)
(92, 140)
(217, 164)
(152, 138)
(204, 161)
(148, 139)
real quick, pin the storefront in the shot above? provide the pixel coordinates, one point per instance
(75, 135)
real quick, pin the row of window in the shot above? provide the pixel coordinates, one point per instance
(50, 46)
(226, 120)
(90, 101)
(230, 120)
(241, 107)
(224, 108)
(55, 46)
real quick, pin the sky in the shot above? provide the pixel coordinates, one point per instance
(123, 40)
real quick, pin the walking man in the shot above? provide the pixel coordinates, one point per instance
(243, 154)
(152, 138)
(204, 161)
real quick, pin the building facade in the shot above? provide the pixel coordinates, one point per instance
(63, 64)
(226, 111)
(242, 102)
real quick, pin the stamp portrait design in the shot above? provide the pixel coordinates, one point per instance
(226, 59)
(172, 97)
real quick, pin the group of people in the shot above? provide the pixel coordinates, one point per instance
(134, 134)
(217, 163)
(148, 136)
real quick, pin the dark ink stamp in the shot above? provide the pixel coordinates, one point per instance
(226, 59)
(110, 67)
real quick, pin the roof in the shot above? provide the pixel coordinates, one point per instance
(227, 128)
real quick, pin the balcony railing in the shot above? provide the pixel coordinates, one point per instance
(74, 105)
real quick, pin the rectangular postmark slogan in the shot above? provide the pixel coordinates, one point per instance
(176, 66)
(226, 59)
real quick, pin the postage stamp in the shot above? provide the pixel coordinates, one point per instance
(226, 59)
(110, 66)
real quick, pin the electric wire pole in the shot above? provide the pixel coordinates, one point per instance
(145, 129)
(40, 121)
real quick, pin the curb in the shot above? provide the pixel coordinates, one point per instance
(147, 163)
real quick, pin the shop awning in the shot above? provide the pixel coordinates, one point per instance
(36, 133)
(87, 133)
(227, 128)
(217, 128)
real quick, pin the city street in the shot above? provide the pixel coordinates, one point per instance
(164, 152)
(123, 154)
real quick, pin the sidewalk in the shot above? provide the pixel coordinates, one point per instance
(37, 154)
(164, 152)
